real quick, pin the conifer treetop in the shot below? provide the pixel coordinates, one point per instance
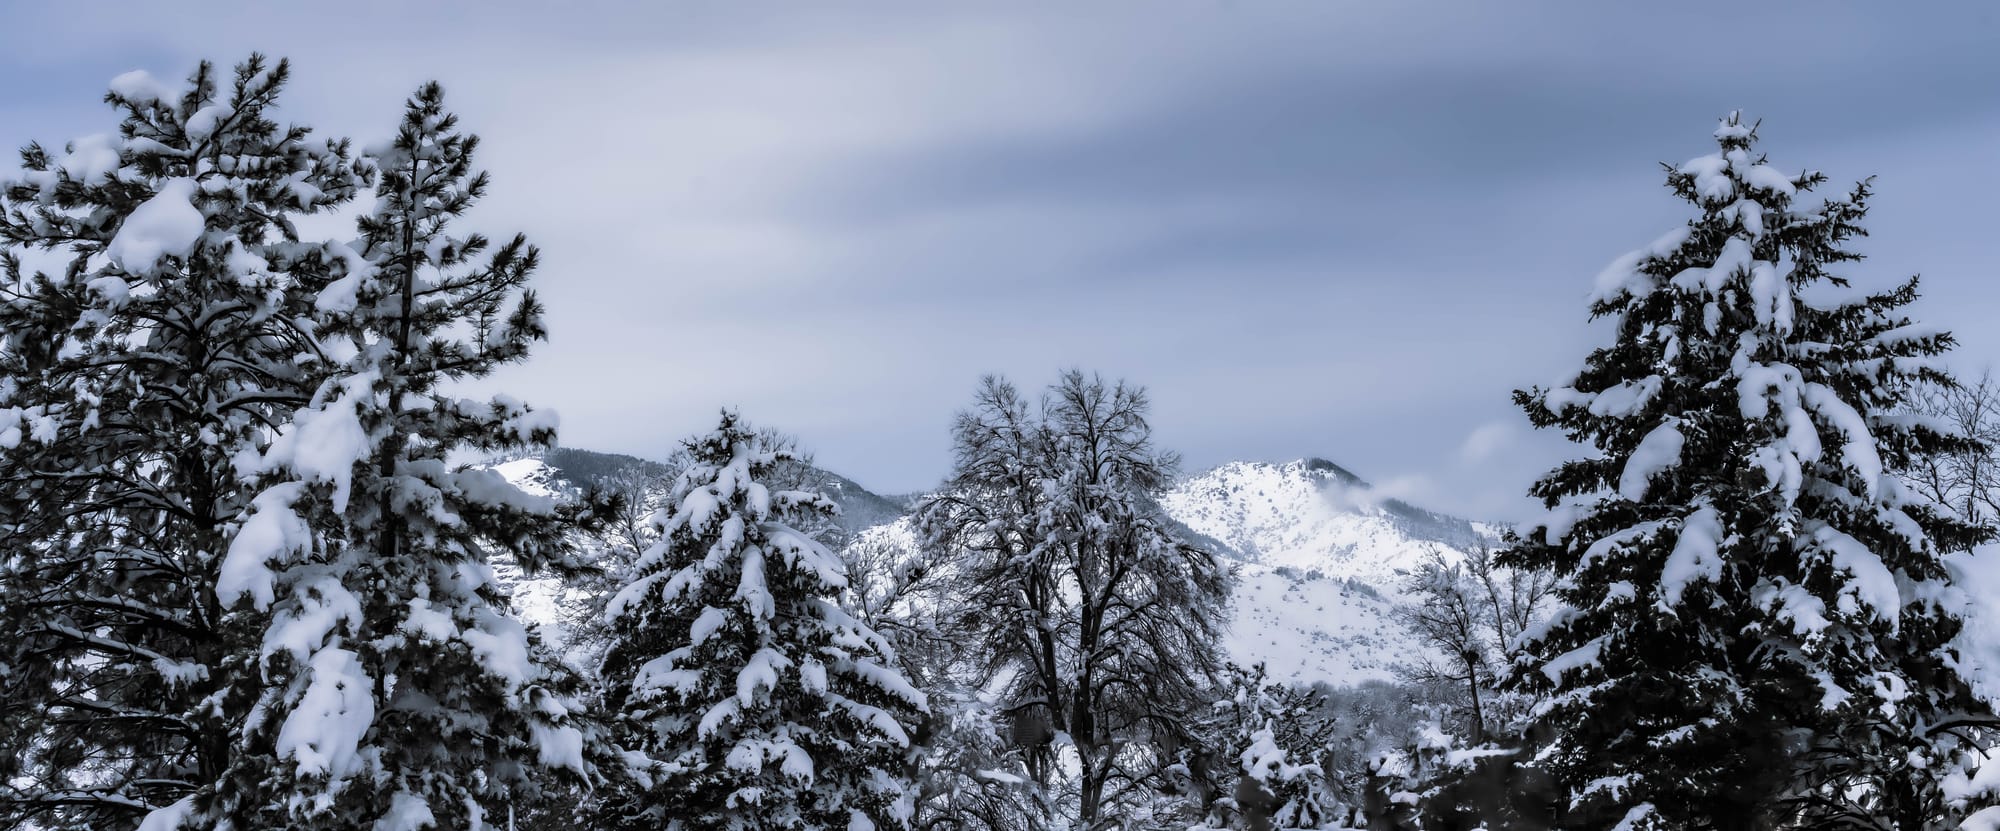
(721, 499)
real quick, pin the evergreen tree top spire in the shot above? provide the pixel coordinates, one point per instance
(1733, 134)
(721, 501)
(735, 463)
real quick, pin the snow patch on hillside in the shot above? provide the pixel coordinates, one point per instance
(539, 601)
(533, 476)
(1310, 629)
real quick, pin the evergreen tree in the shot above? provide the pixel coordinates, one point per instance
(1100, 616)
(393, 688)
(1755, 621)
(750, 698)
(1268, 739)
(176, 329)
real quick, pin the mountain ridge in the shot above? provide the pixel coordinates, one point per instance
(1316, 553)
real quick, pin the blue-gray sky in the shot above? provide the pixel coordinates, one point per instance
(1311, 228)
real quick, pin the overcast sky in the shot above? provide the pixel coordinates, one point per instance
(1311, 228)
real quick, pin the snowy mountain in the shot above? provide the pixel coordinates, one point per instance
(1316, 553)
(539, 601)
(1313, 515)
(1317, 590)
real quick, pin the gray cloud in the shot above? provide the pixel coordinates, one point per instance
(1334, 229)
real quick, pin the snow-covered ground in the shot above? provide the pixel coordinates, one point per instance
(540, 600)
(532, 476)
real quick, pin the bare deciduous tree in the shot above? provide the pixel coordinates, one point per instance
(1099, 619)
(1470, 612)
(1964, 477)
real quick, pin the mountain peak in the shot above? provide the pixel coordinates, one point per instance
(1313, 515)
(1345, 476)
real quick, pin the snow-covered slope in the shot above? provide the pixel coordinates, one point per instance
(1313, 628)
(859, 507)
(539, 600)
(1317, 590)
(1313, 515)
(1978, 576)
(533, 476)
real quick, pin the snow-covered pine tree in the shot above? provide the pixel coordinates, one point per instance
(394, 689)
(175, 328)
(1267, 739)
(1755, 619)
(750, 699)
(1101, 618)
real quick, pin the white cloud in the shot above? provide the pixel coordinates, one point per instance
(1485, 440)
(1415, 488)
